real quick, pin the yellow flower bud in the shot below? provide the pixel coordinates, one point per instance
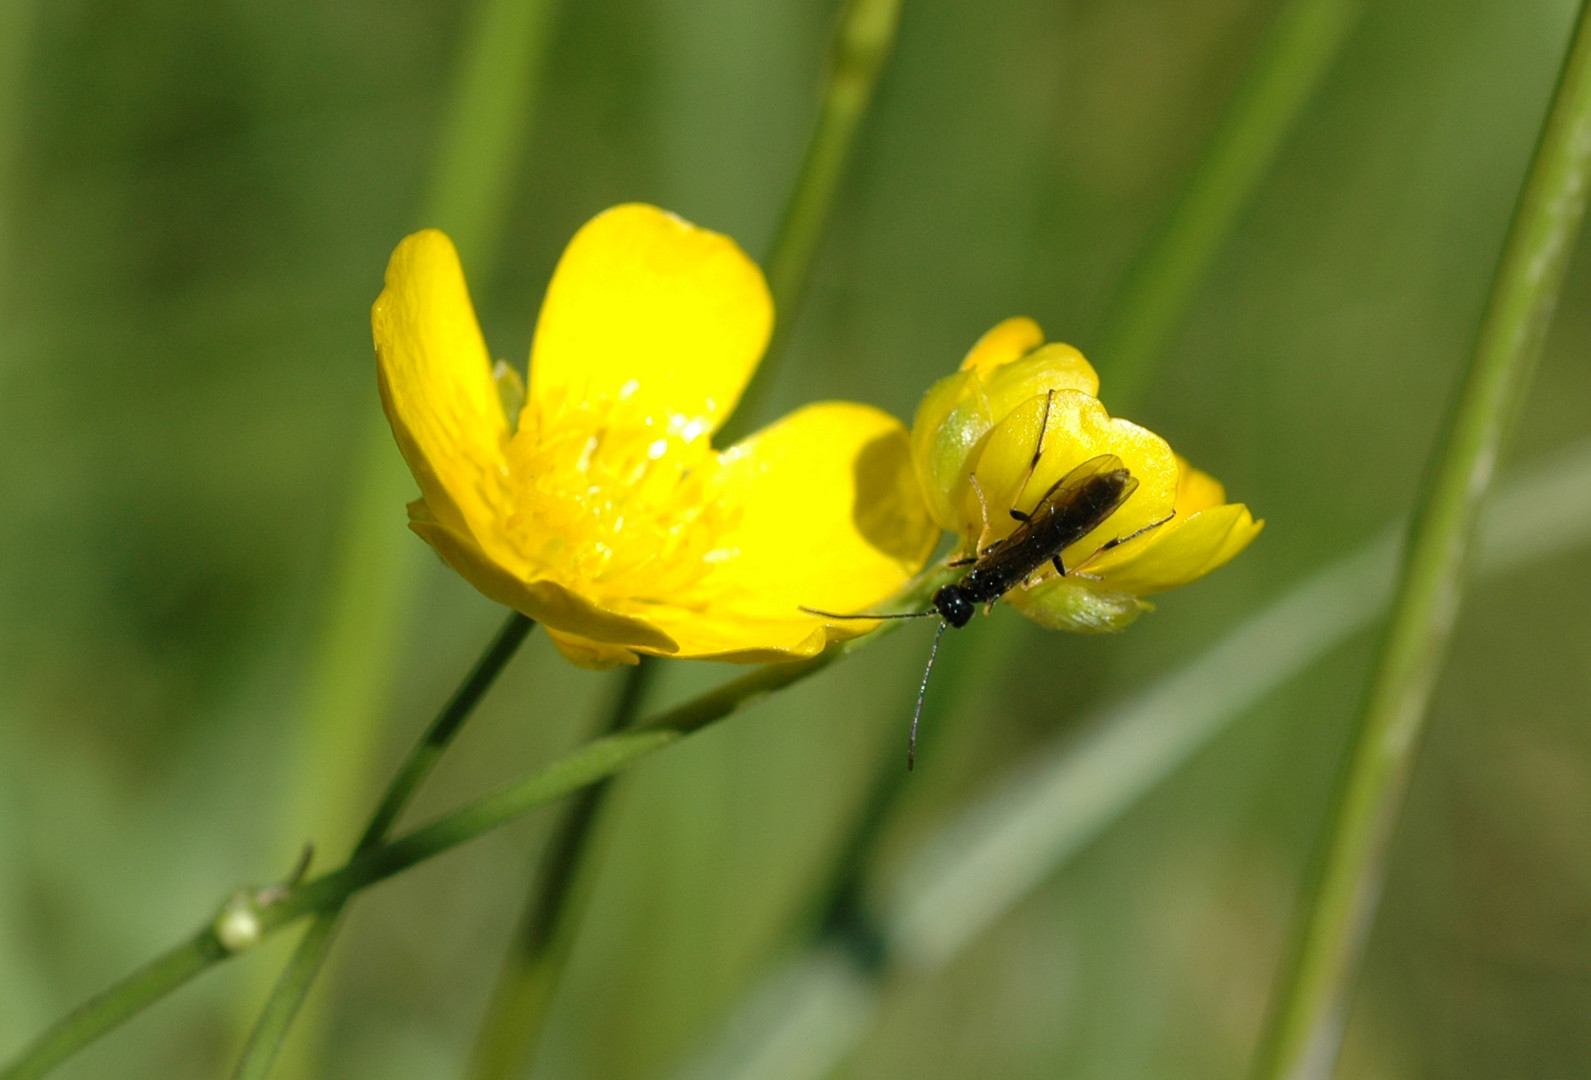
(993, 441)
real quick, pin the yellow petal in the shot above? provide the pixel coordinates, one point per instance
(436, 385)
(830, 517)
(1178, 552)
(1054, 367)
(950, 424)
(1078, 429)
(738, 638)
(1196, 490)
(547, 602)
(1008, 341)
(648, 309)
(596, 655)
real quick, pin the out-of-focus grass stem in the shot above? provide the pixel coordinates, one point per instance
(862, 43)
(1297, 52)
(487, 127)
(1340, 898)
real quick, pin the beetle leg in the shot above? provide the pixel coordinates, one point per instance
(1060, 569)
(1107, 545)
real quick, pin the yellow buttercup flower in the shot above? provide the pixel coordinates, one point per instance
(602, 509)
(973, 444)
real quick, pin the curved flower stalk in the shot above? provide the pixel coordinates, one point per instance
(973, 445)
(601, 509)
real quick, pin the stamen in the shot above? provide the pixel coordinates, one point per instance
(614, 505)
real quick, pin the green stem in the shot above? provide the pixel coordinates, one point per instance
(1340, 898)
(423, 757)
(524, 991)
(595, 761)
(291, 988)
(273, 909)
(1297, 52)
(100, 1014)
(862, 43)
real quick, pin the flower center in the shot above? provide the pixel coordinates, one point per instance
(614, 504)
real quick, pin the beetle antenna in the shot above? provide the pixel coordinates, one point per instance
(886, 615)
(922, 692)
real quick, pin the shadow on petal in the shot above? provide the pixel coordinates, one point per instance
(888, 511)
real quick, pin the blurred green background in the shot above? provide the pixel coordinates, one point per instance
(196, 204)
